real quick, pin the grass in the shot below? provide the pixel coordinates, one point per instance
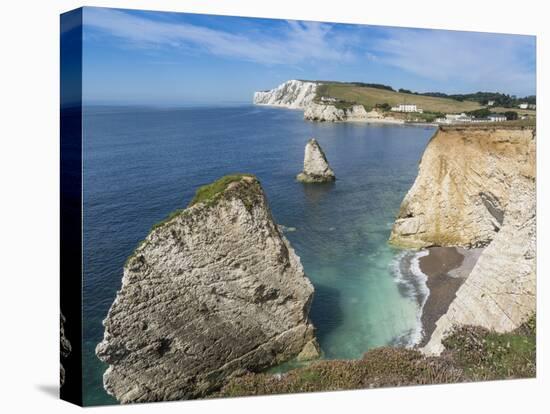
(369, 97)
(518, 124)
(170, 217)
(380, 367)
(500, 109)
(205, 194)
(485, 355)
(209, 192)
(473, 354)
(343, 105)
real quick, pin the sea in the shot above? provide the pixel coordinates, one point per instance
(141, 163)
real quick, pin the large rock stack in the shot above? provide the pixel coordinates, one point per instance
(213, 291)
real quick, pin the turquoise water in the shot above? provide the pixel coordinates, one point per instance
(142, 163)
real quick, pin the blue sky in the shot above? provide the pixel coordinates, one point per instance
(143, 57)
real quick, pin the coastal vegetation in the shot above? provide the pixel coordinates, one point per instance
(426, 116)
(528, 112)
(205, 194)
(479, 113)
(511, 115)
(485, 355)
(332, 101)
(209, 192)
(472, 354)
(483, 98)
(370, 97)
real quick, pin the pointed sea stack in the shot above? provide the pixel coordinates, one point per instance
(213, 291)
(316, 168)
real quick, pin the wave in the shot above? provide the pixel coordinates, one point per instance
(412, 283)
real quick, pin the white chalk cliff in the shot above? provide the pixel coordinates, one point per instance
(316, 167)
(330, 113)
(476, 187)
(294, 94)
(500, 293)
(214, 291)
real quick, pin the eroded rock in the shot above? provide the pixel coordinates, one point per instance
(330, 113)
(463, 187)
(214, 291)
(65, 349)
(500, 292)
(316, 167)
(293, 94)
(476, 187)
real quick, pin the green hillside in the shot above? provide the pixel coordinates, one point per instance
(370, 97)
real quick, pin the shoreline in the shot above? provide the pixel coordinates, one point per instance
(392, 121)
(446, 269)
(283, 106)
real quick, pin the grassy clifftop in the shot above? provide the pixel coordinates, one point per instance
(210, 191)
(369, 97)
(473, 354)
(208, 194)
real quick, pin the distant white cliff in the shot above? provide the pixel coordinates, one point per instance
(291, 94)
(296, 94)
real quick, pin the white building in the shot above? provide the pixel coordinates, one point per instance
(496, 118)
(463, 118)
(454, 119)
(490, 103)
(406, 108)
(523, 105)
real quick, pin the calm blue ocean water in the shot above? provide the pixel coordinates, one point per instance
(140, 164)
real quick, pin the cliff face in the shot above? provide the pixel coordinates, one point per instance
(316, 168)
(330, 113)
(463, 188)
(291, 94)
(297, 94)
(356, 113)
(476, 187)
(213, 291)
(500, 293)
(65, 349)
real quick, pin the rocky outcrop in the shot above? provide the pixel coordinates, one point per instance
(476, 187)
(321, 112)
(330, 113)
(500, 293)
(294, 94)
(463, 188)
(65, 349)
(213, 291)
(316, 167)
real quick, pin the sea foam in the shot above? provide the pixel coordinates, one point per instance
(412, 283)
